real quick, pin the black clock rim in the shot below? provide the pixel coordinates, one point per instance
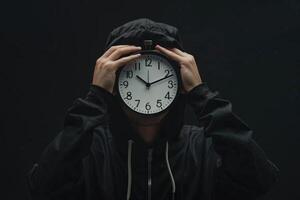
(175, 66)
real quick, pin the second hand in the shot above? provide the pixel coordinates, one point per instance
(148, 79)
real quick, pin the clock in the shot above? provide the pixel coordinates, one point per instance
(150, 84)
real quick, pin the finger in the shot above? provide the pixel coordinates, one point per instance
(169, 53)
(178, 51)
(123, 51)
(123, 61)
(111, 49)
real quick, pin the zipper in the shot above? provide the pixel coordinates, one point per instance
(149, 172)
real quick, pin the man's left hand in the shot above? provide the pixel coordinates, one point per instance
(188, 68)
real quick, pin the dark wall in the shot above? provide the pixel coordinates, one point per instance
(247, 50)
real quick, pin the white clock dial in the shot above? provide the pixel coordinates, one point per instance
(149, 84)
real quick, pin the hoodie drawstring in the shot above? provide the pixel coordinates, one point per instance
(130, 172)
(129, 169)
(170, 171)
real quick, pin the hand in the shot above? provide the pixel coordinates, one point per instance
(188, 68)
(107, 65)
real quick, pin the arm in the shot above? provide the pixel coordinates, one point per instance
(246, 172)
(58, 174)
(60, 165)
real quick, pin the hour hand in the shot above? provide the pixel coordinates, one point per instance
(146, 83)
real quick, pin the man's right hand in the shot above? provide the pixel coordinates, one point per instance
(107, 65)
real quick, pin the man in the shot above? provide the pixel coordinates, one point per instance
(107, 152)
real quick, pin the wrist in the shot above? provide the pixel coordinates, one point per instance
(201, 88)
(98, 95)
(201, 92)
(102, 86)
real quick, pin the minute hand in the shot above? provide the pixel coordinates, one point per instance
(160, 79)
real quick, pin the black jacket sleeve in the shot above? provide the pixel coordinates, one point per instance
(245, 172)
(60, 166)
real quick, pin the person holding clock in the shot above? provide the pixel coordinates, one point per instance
(129, 137)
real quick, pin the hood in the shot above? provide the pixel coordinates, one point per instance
(134, 33)
(130, 146)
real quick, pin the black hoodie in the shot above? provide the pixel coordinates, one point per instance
(98, 155)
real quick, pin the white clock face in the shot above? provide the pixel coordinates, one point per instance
(148, 85)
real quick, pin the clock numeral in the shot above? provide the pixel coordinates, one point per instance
(168, 72)
(128, 97)
(158, 103)
(137, 66)
(147, 106)
(148, 62)
(138, 102)
(167, 96)
(125, 83)
(129, 74)
(170, 84)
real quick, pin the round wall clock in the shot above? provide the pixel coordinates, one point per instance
(150, 84)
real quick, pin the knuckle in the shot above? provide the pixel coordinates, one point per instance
(100, 61)
(109, 66)
(190, 58)
(118, 51)
(101, 64)
(113, 47)
(185, 60)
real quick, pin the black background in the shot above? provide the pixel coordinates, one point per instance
(247, 50)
